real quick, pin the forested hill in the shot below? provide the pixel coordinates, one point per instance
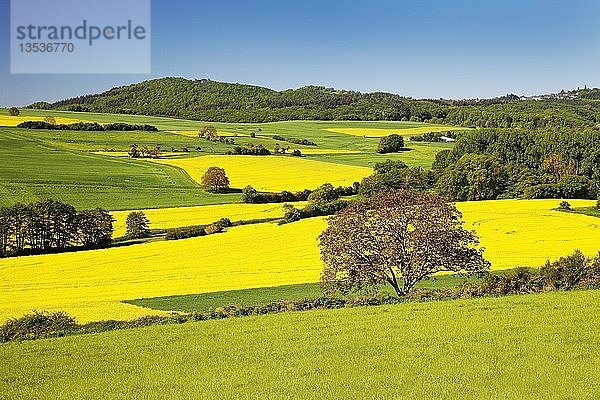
(227, 102)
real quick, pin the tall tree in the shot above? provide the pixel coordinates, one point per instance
(95, 227)
(398, 238)
(137, 225)
(215, 179)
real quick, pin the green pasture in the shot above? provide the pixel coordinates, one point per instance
(542, 346)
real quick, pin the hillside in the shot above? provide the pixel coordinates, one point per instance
(542, 346)
(232, 102)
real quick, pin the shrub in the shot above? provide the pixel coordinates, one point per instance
(38, 325)
(564, 205)
(13, 111)
(213, 228)
(566, 272)
(390, 144)
(185, 232)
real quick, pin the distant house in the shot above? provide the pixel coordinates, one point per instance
(447, 139)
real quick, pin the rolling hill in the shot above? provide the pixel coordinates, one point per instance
(209, 100)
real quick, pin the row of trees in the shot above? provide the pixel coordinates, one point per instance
(50, 225)
(50, 123)
(217, 101)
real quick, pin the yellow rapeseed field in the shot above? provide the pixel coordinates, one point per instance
(315, 151)
(380, 132)
(91, 284)
(164, 218)
(272, 173)
(194, 133)
(14, 121)
(528, 232)
(126, 154)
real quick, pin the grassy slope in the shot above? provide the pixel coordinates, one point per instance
(311, 130)
(35, 168)
(209, 301)
(518, 347)
(58, 164)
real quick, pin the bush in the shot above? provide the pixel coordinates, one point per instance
(251, 195)
(390, 144)
(250, 150)
(213, 228)
(566, 272)
(38, 325)
(184, 232)
(13, 111)
(564, 206)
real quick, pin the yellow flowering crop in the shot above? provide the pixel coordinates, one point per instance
(164, 218)
(90, 285)
(528, 232)
(14, 121)
(380, 132)
(272, 173)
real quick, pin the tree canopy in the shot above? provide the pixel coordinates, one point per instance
(215, 179)
(396, 238)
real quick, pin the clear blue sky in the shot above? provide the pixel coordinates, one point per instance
(419, 48)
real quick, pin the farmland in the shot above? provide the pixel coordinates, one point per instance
(406, 130)
(66, 165)
(522, 347)
(273, 174)
(165, 218)
(528, 232)
(91, 284)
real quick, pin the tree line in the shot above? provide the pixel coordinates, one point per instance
(217, 101)
(50, 226)
(50, 123)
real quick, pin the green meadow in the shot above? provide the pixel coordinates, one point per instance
(542, 346)
(41, 164)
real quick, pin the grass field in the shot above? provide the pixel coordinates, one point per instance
(91, 284)
(39, 164)
(203, 302)
(34, 167)
(406, 130)
(271, 173)
(543, 346)
(315, 131)
(164, 218)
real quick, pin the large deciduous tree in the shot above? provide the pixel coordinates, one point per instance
(398, 238)
(390, 144)
(215, 179)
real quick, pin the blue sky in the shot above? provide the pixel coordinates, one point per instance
(419, 48)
